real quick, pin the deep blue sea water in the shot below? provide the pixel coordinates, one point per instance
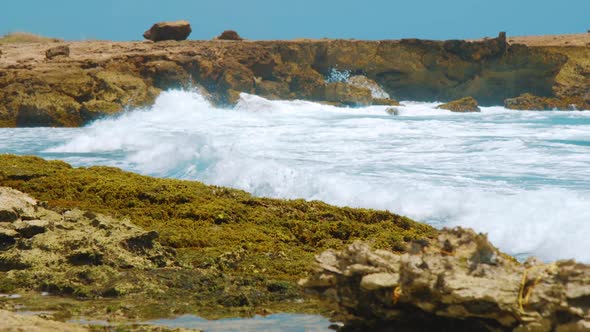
(521, 177)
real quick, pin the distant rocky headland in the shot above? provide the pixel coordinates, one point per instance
(53, 83)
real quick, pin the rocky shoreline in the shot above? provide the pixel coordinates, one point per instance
(96, 78)
(114, 245)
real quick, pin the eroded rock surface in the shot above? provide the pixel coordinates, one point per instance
(458, 282)
(463, 105)
(75, 252)
(179, 30)
(101, 78)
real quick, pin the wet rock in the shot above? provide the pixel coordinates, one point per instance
(531, 102)
(385, 102)
(272, 89)
(362, 81)
(18, 322)
(179, 30)
(463, 105)
(392, 111)
(459, 281)
(229, 35)
(348, 94)
(62, 50)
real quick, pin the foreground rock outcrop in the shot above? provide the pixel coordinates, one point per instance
(458, 282)
(102, 78)
(12, 322)
(75, 252)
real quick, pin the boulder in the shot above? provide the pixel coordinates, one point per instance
(179, 30)
(364, 82)
(347, 94)
(229, 35)
(457, 281)
(392, 111)
(463, 105)
(385, 102)
(62, 50)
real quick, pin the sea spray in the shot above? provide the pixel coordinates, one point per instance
(521, 177)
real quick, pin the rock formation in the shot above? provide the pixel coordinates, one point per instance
(62, 50)
(101, 78)
(463, 105)
(179, 30)
(347, 94)
(458, 280)
(528, 101)
(229, 35)
(75, 252)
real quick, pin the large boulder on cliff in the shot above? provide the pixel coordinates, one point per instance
(456, 282)
(179, 30)
(229, 35)
(463, 105)
(347, 94)
(62, 50)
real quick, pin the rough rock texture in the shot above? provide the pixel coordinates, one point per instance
(229, 35)
(74, 252)
(528, 101)
(179, 30)
(463, 105)
(459, 282)
(347, 94)
(62, 50)
(11, 322)
(100, 78)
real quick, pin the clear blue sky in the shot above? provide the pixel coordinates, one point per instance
(287, 19)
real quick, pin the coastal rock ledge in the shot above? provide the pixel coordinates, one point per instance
(458, 282)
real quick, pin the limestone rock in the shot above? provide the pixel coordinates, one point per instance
(12, 322)
(348, 94)
(457, 281)
(62, 50)
(229, 35)
(463, 105)
(179, 30)
(64, 251)
(362, 81)
(531, 102)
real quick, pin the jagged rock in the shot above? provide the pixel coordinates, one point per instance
(8, 215)
(229, 35)
(272, 89)
(179, 30)
(62, 50)
(528, 101)
(458, 280)
(348, 94)
(463, 105)
(362, 81)
(52, 250)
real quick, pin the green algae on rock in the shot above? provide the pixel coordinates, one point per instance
(235, 251)
(463, 105)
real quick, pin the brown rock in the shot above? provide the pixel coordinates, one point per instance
(62, 50)
(179, 30)
(385, 102)
(229, 35)
(456, 282)
(348, 94)
(12, 322)
(531, 102)
(272, 89)
(463, 105)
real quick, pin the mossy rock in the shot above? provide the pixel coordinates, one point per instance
(463, 105)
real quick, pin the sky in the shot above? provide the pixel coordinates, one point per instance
(282, 19)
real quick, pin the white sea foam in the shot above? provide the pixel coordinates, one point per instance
(521, 177)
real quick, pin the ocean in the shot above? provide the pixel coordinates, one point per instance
(522, 177)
